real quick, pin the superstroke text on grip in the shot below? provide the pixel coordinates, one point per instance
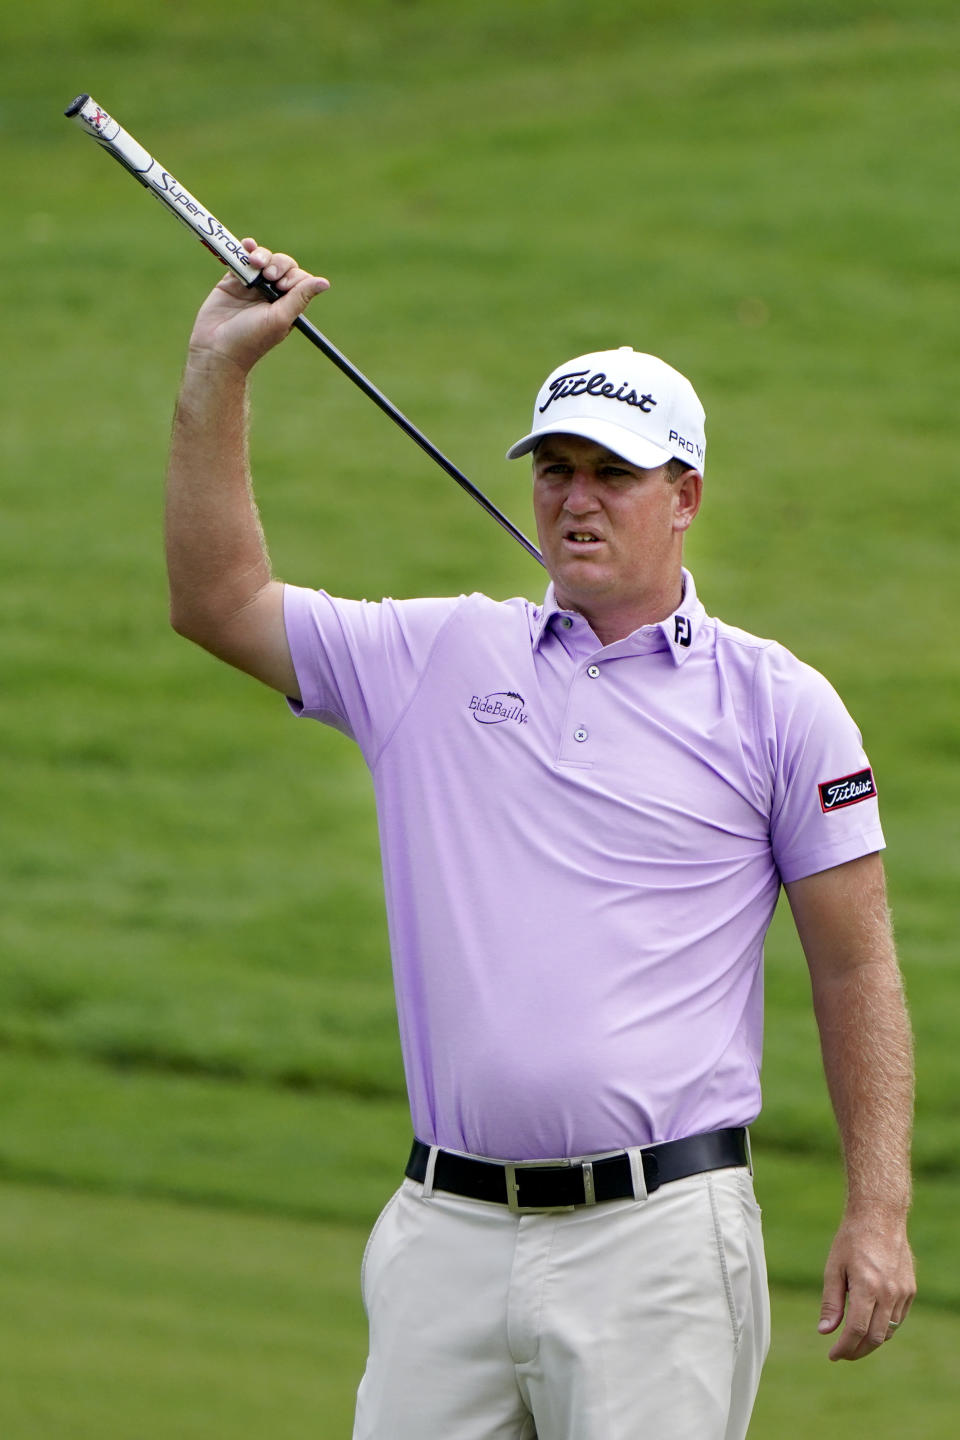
(151, 174)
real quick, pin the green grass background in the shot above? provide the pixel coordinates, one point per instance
(200, 1089)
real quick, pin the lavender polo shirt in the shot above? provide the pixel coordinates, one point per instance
(582, 850)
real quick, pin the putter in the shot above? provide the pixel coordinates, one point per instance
(95, 121)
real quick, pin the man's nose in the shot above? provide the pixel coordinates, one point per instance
(581, 496)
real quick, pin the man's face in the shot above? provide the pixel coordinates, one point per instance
(611, 532)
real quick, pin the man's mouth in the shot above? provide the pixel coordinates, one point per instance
(581, 537)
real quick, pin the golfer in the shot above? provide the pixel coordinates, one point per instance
(587, 808)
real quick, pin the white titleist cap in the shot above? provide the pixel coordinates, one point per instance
(633, 404)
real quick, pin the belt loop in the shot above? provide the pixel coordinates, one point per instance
(635, 1156)
(431, 1168)
(749, 1148)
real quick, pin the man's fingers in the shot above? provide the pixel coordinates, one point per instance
(870, 1324)
(862, 1314)
(863, 1332)
(295, 300)
(284, 274)
(834, 1299)
(902, 1311)
(282, 269)
(872, 1319)
(258, 255)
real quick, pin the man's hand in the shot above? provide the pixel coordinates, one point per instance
(869, 1276)
(236, 324)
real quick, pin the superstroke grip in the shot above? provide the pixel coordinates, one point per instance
(217, 238)
(151, 174)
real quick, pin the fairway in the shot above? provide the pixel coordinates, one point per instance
(140, 1318)
(200, 1077)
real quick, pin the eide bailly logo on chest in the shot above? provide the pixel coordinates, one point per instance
(498, 707)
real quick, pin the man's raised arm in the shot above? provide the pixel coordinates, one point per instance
(222, 594)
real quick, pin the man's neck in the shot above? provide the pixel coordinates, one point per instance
(611, 623)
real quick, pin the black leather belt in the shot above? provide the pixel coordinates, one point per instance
(565, 1184)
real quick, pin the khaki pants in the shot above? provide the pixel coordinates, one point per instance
(632, 1320)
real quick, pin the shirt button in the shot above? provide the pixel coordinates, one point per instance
(593, 671)
(566, 622)
(580, 734)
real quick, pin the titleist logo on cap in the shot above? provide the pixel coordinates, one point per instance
(574, 383)
(848, 790)
(634, 405)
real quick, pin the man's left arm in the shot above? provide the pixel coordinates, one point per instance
(844, 926)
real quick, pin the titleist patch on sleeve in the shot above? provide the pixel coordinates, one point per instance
(848, 790)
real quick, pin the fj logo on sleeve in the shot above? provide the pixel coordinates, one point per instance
(848, 790)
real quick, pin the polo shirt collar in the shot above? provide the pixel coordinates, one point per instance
(677, 633)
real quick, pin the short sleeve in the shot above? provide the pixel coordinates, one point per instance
(824, 808)
(358, 663)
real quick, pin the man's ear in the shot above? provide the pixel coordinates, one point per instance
(688, 493)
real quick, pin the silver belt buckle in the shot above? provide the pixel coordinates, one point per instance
(513, 1189)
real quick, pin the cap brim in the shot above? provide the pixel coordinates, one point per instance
(615, 438)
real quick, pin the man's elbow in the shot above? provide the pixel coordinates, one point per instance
(199, 626)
